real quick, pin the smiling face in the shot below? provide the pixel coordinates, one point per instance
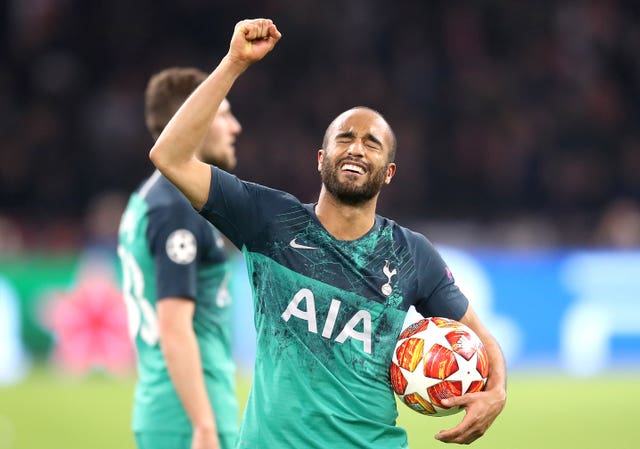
(356, 160)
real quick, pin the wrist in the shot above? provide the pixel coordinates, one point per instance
(498, 391)
(234, 65)
(205, 426)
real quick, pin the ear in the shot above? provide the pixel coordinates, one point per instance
(320, 159)
(391, 171)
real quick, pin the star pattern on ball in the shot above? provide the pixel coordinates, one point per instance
(467, 372)
(416, 378)
(432, 335)
(441, 365)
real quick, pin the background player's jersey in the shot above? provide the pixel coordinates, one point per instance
(167, 250)
(327, 314)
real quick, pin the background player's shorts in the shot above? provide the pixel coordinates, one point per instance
(171, 440)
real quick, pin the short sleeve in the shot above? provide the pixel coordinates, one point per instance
(241, 209)
(177, 236)
(439, 295)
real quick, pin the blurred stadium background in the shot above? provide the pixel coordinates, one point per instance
(519, 154)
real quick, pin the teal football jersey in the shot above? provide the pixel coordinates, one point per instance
(327, 314)
(167, 250)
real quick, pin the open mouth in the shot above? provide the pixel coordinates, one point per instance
(353, 168)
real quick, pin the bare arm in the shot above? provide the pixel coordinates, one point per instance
(182, 354)
(174, 153)
(481, 408)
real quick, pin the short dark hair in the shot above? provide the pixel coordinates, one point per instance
(165, 93)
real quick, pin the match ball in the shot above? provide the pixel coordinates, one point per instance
(437, 358)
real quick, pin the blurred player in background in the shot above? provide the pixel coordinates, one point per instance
(175, 276)
(332, 281)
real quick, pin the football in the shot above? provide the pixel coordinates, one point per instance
(436, 358)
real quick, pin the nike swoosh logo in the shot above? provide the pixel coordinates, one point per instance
(294, 244)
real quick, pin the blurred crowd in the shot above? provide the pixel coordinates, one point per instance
(517, 122)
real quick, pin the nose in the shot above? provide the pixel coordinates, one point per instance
(236, 128)
(356, 149)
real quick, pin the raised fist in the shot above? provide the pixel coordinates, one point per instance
(252, 40)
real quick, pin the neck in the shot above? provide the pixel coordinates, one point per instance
(344, 221)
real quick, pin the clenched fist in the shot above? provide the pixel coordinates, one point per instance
(252, 40)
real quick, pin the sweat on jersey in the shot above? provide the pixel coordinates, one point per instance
(167, 250)
(327, 314)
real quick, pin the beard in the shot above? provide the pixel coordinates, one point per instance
(348, 192)
(219, 156)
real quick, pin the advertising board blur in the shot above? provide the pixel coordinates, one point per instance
(576, 312)
(551, 310)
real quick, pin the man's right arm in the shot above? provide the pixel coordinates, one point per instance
(175, 151)
(182, 355)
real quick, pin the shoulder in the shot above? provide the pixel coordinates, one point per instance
(405, 236)
(226, 178)
(278, 195)
(168, 208)
(230, 192)
(160, 193)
